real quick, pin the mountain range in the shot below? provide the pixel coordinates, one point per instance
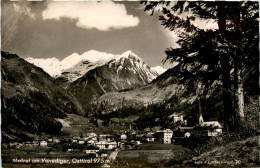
(92, 74)
(33, 99)
(75, 66)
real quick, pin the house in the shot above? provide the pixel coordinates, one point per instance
(208, 129)
(101, 153)
(43, 143)
(164, 136)
(106, 145)
(123, 136)
(49, 140)
(106, 137)
(150, 137)
(81, 141)
(75, 139)
(176, 117)
(56, 140)
(92, 149)
(187, 135)
(28, 143)
(92, 134)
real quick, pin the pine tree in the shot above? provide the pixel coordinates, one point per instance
(210, 57)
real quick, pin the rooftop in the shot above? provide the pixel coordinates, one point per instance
(212, 124)
(165, 131)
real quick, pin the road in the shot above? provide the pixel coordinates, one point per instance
(111, 158)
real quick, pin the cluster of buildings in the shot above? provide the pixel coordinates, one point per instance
(201, 130)
(94, 143)
(99, 145)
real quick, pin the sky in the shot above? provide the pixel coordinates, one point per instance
(59, 29)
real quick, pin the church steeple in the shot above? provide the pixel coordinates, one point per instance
(200, 114)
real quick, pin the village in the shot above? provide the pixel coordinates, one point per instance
(95, 145)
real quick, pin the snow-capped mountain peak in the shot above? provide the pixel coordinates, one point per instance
(128, 54)
(49, 65)
(75, 66)
(92, 56)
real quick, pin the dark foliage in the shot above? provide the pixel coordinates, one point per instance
(210, 59)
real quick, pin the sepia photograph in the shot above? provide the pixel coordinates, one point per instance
(129, 84)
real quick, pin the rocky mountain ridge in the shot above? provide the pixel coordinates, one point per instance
(75, 66)
(31, 100)
(122, 73)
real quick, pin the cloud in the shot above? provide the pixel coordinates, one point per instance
(100, 15)
(13, 14)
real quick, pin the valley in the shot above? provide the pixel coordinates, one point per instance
(120, 98)
(126, 84)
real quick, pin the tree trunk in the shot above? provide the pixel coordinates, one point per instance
(240, 97)
(224, 61)
(238, 74)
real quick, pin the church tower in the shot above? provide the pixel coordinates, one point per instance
(200, 114)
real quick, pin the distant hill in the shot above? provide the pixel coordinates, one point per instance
(160, 90)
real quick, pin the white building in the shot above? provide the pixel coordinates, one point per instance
(92, 134)
(81, 141)
(106, 145)
(165, 136)
(106, 137)
(176, 117)
(187, 135)
(123, 137)
(43, 143)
